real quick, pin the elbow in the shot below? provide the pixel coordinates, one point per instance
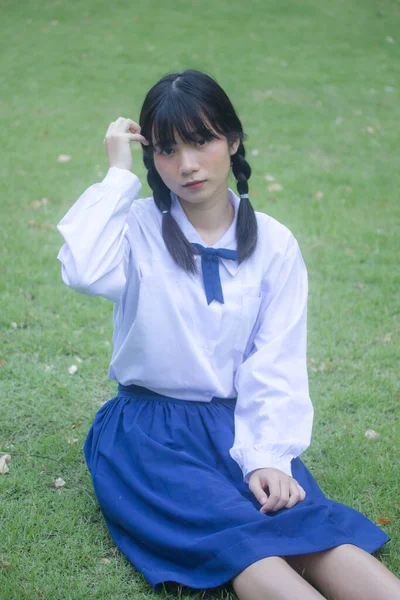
(75, 281)
(91, 280)
(109, 286)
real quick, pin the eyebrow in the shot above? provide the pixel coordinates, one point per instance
(163, 143)
(163, 146)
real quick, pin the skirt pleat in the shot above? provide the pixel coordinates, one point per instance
(175, 502)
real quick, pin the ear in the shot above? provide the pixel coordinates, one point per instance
(233, 146)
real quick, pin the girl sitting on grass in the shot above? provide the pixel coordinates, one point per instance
(195, 462)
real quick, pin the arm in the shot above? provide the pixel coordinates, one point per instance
(96, 251)
(274, 414)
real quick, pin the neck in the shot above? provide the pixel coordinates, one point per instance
(212, 217)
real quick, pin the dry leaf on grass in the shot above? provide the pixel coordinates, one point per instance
(105, 561)
(2, 362)
(372, 435)
(59, 483)
(72, 369)
(269, 177)
(40, 203)
(390, 40)
(44, 226)
(319, 195)
(4, 564)
(63, 158)
(275, 187)
(383, 520)
(3, 464)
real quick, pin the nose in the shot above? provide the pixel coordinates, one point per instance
(188, 161)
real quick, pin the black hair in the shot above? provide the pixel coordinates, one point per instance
(195, 106)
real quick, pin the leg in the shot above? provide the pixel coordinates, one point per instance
(348, 573)
(272, 579)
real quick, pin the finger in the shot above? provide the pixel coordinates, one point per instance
(128, 125)
(133, 126)
(303, 492)
(274, 494)
(136, 137)
(258, 491)
(283, 496)
(284, 499)
(123, 125)
(294, 494)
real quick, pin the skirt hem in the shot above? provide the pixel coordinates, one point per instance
(236, 567)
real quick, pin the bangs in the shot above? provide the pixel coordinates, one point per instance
(185, 115)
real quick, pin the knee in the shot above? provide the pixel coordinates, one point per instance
(256, 570)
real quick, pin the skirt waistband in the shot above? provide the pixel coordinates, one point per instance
(130, 391)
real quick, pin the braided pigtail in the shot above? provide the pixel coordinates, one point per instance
(176, 242)
(246, 225)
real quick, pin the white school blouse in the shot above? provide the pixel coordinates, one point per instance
(168, 339)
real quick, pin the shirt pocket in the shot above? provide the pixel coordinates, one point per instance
(246, 320)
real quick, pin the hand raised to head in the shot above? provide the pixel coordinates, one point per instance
(118, 138)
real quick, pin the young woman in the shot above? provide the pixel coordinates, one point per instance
(195, 462)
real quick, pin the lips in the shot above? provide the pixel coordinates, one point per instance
(194, 183)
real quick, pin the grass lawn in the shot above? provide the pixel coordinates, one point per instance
(316, 84)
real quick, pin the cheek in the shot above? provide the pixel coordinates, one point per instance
(162, 167)
(219, 158)
(167, 172)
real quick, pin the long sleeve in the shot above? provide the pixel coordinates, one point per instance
(274, 413)
(96, 251)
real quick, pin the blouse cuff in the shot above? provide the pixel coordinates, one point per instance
(122, 180)
(249, 461)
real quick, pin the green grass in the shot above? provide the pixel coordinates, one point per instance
(308, 80)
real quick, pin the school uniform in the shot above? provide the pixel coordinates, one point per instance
(212, 384)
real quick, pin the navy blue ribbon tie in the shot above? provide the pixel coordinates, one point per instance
(210, 268)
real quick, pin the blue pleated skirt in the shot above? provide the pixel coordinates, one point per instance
(175, 502)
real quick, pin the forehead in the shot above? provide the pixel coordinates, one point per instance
(182, 126)
(175, 138)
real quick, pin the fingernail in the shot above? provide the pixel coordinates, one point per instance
(263, 499)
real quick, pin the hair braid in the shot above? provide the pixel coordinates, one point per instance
(246, 225)
(176, 242)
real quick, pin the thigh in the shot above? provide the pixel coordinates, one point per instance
(347, 572)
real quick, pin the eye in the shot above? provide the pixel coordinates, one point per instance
(200, 142)
(166, 151)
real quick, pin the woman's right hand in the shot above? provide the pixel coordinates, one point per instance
(283, 491)
(117, 142)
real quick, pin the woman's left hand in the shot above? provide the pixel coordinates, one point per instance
(283, 491)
